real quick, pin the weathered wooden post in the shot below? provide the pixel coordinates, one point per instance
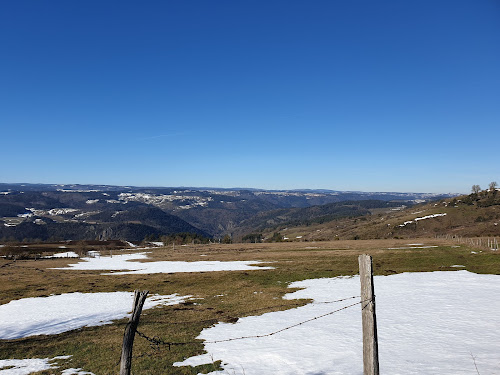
(368, 316)
(128, 336)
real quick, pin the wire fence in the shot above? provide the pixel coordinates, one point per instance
(484, 243)
(156, 341)
(366, 300)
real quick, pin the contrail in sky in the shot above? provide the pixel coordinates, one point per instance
(163, 136)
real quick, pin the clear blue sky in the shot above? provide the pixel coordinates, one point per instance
(385, 95)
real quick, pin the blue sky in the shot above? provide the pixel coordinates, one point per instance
(363, 95)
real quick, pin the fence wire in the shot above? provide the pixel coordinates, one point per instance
(155, 342)
(247, 313)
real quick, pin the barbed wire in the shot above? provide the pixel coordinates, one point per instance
(246, 313)
(155, 342)
(339, 300)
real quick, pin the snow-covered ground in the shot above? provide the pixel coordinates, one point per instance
(428, 323)
(157, 243)
(124, 262)
(60, 313)
(67, 254)
(29, 366)
(421, 218)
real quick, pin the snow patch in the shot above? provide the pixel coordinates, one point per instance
(65, 312)
(162, 199)
(25, 215)
(123, 262)
(421, 218)
(428, 323)
(28, 366)
(67, 254)
(59, 211)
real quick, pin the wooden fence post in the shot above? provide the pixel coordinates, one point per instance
(128, 336)
(369, 320)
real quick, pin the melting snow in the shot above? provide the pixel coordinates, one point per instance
(123, 262)
(59, 211)
(165, 198)
(68, 254)
(65, 312)
(28, 366)
(428, 323)
(421, 218)
(25, 215)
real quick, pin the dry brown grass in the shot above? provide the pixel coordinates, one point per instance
(461, 219)
(97, 349)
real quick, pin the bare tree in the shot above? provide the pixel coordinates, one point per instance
(493, 185)
(476, 189)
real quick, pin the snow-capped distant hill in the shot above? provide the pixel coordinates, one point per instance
(130, 213)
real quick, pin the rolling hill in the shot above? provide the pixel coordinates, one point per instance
(74, 212)
(474, 215)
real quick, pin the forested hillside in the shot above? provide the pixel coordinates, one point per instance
(74, 212)
(473, 215)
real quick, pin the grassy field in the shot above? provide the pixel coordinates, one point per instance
(220, 296)
(462, 219)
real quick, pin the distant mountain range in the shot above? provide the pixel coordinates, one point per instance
(74, 212)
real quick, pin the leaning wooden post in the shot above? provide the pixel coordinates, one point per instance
(369, 320)
(128, 336)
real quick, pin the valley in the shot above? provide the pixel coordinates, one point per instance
(89, 212)
(72, 287)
